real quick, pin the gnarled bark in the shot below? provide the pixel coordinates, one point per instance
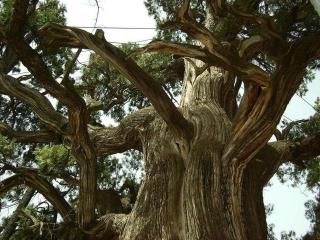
(125, 136)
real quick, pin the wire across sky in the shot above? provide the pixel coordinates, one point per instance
(118, 28)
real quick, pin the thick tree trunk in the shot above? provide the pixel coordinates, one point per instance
(189, 193)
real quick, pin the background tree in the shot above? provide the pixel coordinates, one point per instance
(205, 162)
(303, 172)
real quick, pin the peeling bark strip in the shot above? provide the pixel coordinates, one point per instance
(218, 55)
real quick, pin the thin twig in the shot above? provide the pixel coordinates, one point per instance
(70, 67)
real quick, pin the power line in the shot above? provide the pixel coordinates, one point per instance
(306, 102)
(117, 28)
(287, 118)
(139, 41)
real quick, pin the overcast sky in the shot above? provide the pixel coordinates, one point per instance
(288, 202)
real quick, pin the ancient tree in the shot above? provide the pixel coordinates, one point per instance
(206, 160)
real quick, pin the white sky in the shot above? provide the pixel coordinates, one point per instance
(288, 202)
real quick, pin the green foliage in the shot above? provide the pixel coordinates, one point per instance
(25, 232)
(308, 174)
(313, 214)
(308, 77)
(53, 158)
(13, 112)
(48, 11)
(110, 172)
(5, 11)
(41, 230)
(294, 18)
(51, 11)
(113, 172)
(19, 116)
(7, 148)
(313, 211)
(163, 11)
(100, 81)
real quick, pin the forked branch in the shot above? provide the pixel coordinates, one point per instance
(297, 152)
(217, 54)
(58, 36)
(33, 180)
(33, 61)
